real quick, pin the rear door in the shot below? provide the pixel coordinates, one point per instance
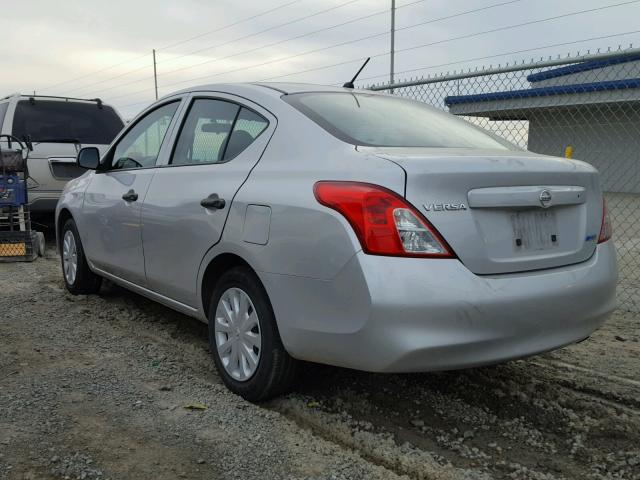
(111, 210)
(221, 138)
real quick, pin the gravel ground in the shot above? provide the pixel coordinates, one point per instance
(118, 387)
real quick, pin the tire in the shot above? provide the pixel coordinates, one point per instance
(274, 370)
(84, 281)
(41, 244)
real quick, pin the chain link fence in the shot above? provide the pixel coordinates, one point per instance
(586, 107)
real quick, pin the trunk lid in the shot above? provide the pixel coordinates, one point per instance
(504, 211)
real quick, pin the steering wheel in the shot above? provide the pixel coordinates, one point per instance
(123, 160)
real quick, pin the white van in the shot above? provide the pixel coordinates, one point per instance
(57, 128)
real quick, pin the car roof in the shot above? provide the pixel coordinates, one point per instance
(279, 88)
(257, 91)
(301, 87)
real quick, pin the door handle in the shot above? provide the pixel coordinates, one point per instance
(213, 202)
(130, 196)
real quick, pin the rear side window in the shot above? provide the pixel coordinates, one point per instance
(64, 121)
(216, 131)
(248, 127)
(387, 121)
(205, 132)
(3, 112)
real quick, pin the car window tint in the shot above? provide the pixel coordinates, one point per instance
(389, 121)
(205, 132)
(247, 128)
(140, 146)
(3, 111)
(64, 121)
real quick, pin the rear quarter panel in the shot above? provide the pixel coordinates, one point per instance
(305, 238)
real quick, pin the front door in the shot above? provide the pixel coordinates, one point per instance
(189, 198)
(111, 209)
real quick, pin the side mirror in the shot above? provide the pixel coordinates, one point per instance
(89, 158)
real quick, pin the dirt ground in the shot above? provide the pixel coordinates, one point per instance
(100, 387)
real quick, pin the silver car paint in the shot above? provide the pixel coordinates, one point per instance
(333, 303)
(174, 225)
(477, 234)
(113, 238)
(391, 314)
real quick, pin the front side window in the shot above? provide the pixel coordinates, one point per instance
(388, 121)
(140, 146)
(216, 131)
(55, 121)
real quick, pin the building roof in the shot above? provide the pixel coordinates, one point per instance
(581, 67)
(544, 91)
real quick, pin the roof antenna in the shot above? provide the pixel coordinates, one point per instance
(350, 84)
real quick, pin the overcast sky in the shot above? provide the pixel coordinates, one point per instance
(70, 47)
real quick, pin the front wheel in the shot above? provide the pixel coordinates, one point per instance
(244, 338)
(78, 277)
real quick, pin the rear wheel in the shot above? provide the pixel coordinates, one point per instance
(244, 338)
(78, 277)
(41, 244)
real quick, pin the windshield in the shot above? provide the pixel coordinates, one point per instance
(386, 121)
(64, 121)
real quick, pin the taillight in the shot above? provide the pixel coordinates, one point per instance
(383, 221)
(606, 230)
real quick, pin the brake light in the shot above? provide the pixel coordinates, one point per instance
(383, 221)
(606, 229)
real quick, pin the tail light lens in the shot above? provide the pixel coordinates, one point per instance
(383, 221)
(606, 229)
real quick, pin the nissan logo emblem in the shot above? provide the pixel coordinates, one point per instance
(545, 198)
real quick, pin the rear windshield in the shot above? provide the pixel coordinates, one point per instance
(60, 121)
(386, 121)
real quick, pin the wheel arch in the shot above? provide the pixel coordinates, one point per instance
(215, 268)
(63, 216)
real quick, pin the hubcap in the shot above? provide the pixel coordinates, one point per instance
(237, 334)
(69, 257)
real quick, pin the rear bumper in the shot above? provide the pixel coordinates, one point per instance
(403, 315)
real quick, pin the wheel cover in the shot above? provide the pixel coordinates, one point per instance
(237, 334)
(69, 257)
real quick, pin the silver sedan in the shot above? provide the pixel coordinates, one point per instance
(343, 227)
